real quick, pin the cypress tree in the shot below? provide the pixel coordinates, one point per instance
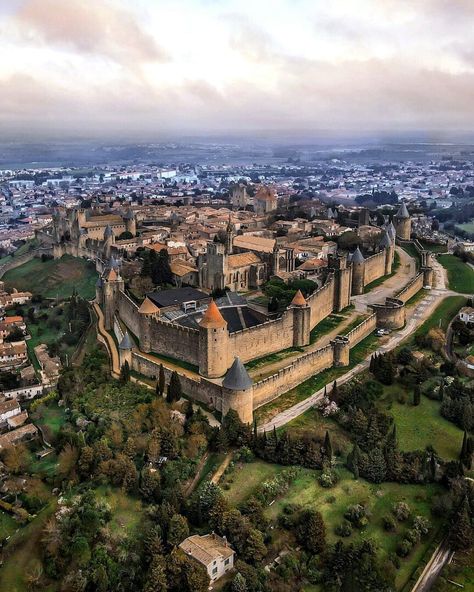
(416, 395)
(327, 447)
(175, 391)
(462, 532)
(463, 453)
(125, 372)
(160, 385)
(334, 392)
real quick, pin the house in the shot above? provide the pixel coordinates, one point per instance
(12, 354)
(212, 551)
(26, 432)
(466, 314)
(8, 409)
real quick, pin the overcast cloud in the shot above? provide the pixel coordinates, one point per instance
(132, 67)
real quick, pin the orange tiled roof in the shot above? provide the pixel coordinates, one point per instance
(298, 299)
(213, 318)
(148, 307)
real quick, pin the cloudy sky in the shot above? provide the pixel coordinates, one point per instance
(144, 67)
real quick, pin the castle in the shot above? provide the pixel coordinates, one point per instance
(212, 340)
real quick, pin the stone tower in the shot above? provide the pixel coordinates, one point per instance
(213, 343)
(109, 240)
(301, 320)
(229, 237)
(237, 392)
(275, 259)
(147, 312)
(343, 281)
(358, 272)
(216, 266)
(112, 284)
(130, 222)
(387, 245)
(238, 196)
(125, 350)
(403, 223)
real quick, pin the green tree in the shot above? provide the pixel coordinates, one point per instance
(239, 584)
(327, 447)
(311, 531)
(156, 580)
(175, 391)
(178, 530)
(462, 532)
(416, 395)
(125, 373)
(161, 383)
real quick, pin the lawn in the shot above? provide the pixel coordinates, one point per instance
(333, 502)
(460, 275)
(22, 553)
(126, 510)
(433, 247)
(442, 315)
(8, 525)
(247, 477)
(54, 278)
(411, 250)
(418, 427)
(270, 358)
(51, 418)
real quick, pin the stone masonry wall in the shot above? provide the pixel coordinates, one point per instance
(374, 267)
(322, 302)
(362, 330)
(411, 288)
(287, 378)
(128, 312)
(170, 339)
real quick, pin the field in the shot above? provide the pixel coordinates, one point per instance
(54, 278)
(8, 525)
(51, 418)
(333, 502)
(460, 275)
(442, 315)
(22, 553)
(467, 227)
(418, 427)
(126, 511)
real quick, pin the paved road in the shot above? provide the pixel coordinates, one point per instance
(404, 274)
(416, 316)
(433, 568)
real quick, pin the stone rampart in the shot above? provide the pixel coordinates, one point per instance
(411, 288)
(362, 330)
(374, 267)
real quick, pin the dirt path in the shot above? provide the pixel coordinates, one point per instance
(190, 488)
(221, 470)
(108, 340)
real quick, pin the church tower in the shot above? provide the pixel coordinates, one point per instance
(229, 237)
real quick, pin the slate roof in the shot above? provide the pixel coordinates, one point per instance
(385, 243)
(403, 211)
(237, 378)
(176, 296)
(126, 342)
(357, 256)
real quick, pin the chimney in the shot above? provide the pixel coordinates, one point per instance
(225, 541)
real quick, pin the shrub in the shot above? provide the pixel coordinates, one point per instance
(358, 515)
(388, 523)
(413, 536)
(344, 529)
(402, 511)
(421, 525)
(404, 548)
(245, 454)
(328, 478)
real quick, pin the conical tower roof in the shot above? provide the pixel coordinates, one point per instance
(403, 211)
(392, 233)
(385, 243)
(357, 256)
(213, 318)
(148, 307)
(237, 378)
(298, 299)
(108, 232)
(112, 275)
(126, 342)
